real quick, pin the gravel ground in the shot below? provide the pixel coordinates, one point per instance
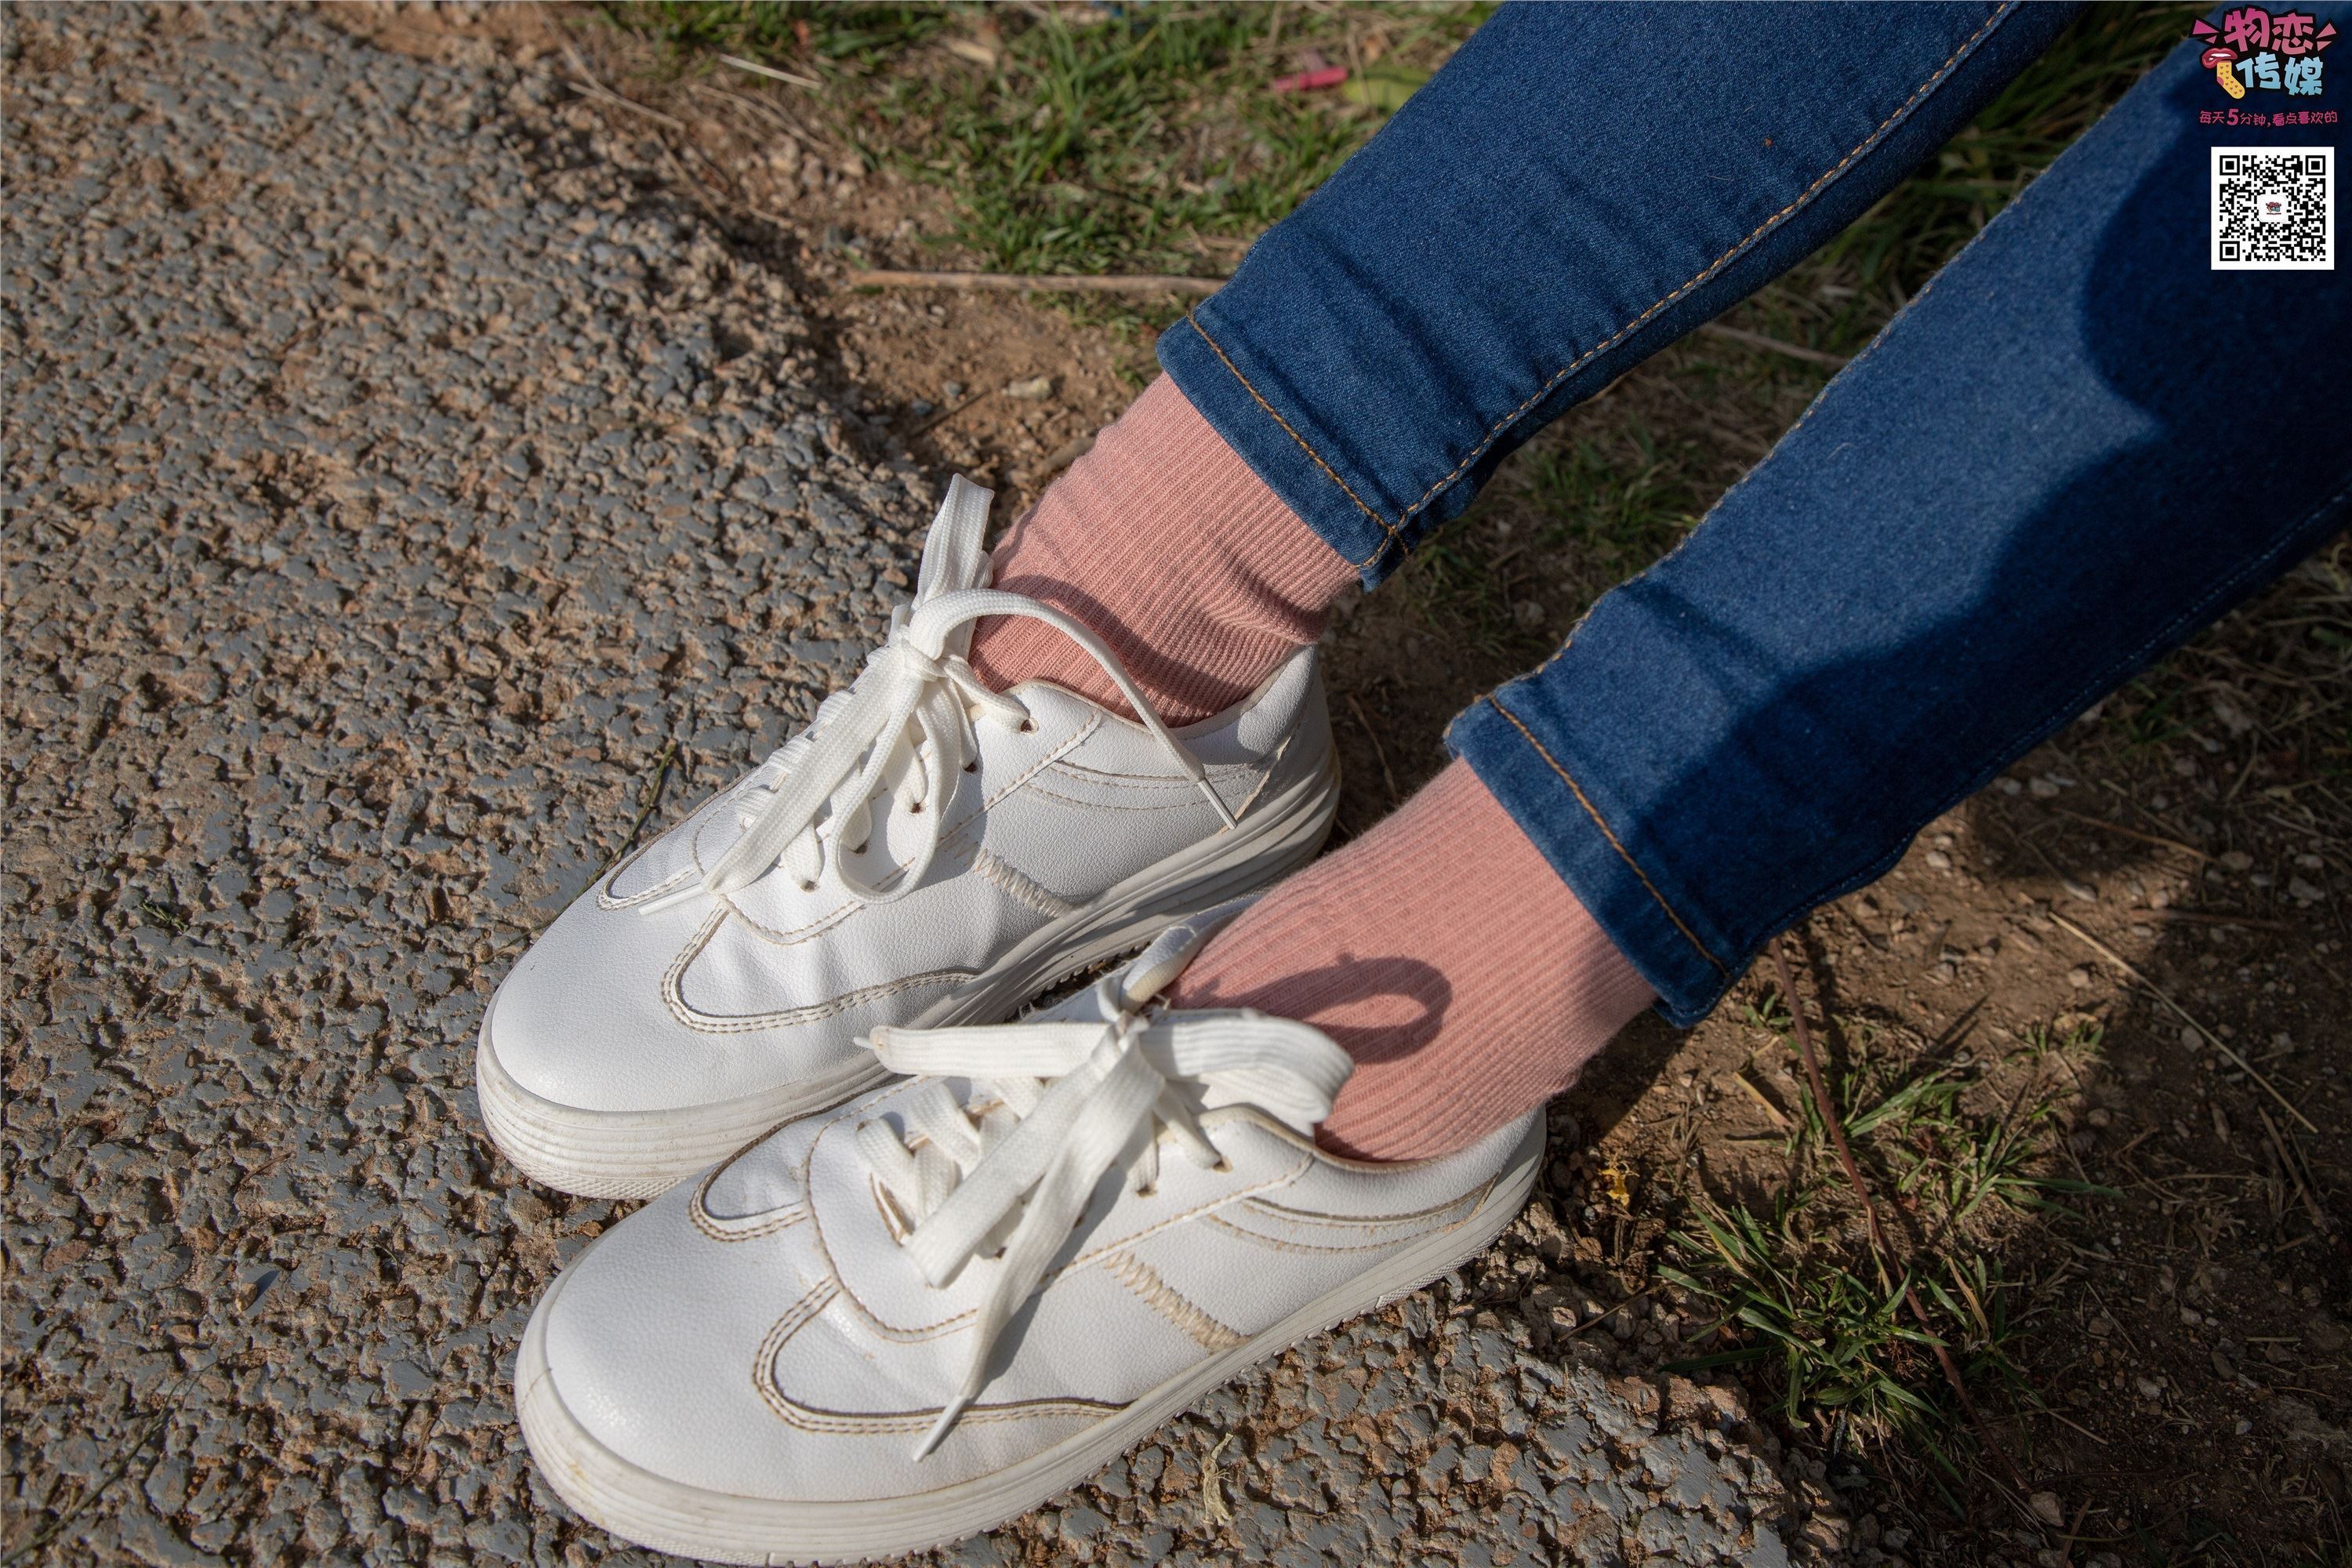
(390, 483)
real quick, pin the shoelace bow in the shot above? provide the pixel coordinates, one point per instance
(909, 721)
(1070, 1100)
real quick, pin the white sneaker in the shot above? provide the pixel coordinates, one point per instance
(963, 1293)
(928, 852)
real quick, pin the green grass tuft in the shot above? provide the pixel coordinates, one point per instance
(1923, 222)
(836, 39)
(1091, 140)
(1796, 1285)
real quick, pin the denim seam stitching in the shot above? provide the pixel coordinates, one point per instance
(1720, 262)
(1623, 853)
(2103, 681)
(1192, 319)
(1860, 358)
(1395, 538)
(1786, 436)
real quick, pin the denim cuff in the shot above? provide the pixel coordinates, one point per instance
(1515, 238)
(1216, 373)
(1636, 905)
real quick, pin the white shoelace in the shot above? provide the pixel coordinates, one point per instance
(906, 726)
(1069, 1102)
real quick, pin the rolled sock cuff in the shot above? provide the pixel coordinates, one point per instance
(1165, 544)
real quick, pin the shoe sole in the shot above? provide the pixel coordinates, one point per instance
(641, 1153)
(670, 1516)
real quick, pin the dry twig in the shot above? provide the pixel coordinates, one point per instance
(2183, 1014)
(944, 414)
(1774, 345)
(2118, 828)
(1123, 283)
(584, 80)
(771, 72)
(1176, 283)
(1373, 735)
(2286, 1157)
(647, 801)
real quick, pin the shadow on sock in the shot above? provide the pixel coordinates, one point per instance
(1377, 1010)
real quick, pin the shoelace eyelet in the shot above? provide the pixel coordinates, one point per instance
(915, 808)
(971, 767)
(935, 690)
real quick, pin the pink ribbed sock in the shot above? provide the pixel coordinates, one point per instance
(1441, 949)
(1443, 953)
(1165, 544)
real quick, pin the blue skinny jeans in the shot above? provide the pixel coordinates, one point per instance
(2075, 447)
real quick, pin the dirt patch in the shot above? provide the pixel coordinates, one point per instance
(931, 370)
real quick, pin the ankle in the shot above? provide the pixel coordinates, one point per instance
(1445, 955)
(1168, 547)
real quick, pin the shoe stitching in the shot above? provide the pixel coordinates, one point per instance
(788, 936)
(792, 936)
(1172, 1304)
(955, 841)
(1093, 723)
(951, 842)
(814, 1418)
(1081, 774)
(790, 1018)
(1265, 777)
(887, 1210)
(931, 1331)
(1191, 795)
(1083, 1260)
(607, 899)
(1119, 1263)
(1272, 1210)
(1018, 885)
(1284, 1243)
(1803, 198)
(770, 1221)
(1680, 925)
(1468, 1203)
(1256, 774)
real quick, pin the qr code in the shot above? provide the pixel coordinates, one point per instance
(2274, 209)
